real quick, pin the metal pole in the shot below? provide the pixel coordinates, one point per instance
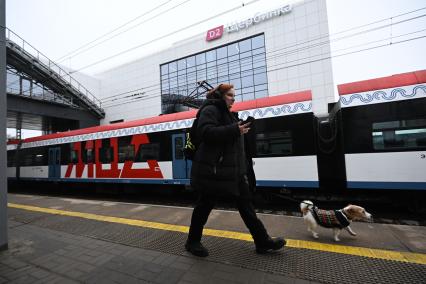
(3, 159)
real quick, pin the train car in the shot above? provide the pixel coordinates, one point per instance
(149, 151)
(383, 124)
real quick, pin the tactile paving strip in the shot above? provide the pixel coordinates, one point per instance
(307, 264)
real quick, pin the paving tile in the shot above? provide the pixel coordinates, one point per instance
(61, 280)
(168, 260)
(153, 267)
(181, 265)
(170, 275)
(226, 276)
(188, 260)
(194, 277)
(215, 280)
(98, 275)
(5, 269)
(302, 281)
(39, 273)
(271, 278)
(257, 277)
(13, 263)
(85, 267)
(65, 267)
(46, 279)
(74, 273)
(127, 266)
(24, 279)
(203, 267)
(185, 282)
(146, 275)
(14, 274)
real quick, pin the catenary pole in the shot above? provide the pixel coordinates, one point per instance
(3, 159)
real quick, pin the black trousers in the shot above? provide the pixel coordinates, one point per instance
(206, 203)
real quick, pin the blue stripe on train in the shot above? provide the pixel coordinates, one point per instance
(288, 183)
(386, 185)
(111, 180)
(268, 183)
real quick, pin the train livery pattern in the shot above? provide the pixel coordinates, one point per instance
(378, 126)
(166, 170)
(387, 117)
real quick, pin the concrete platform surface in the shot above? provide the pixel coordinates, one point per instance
(370, 235)
(57, 240)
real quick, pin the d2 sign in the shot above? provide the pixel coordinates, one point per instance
(214, 33)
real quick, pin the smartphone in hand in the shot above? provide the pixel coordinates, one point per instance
(248, 120)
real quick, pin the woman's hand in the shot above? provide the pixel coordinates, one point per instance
(244, 128)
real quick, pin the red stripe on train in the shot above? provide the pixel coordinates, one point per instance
(258, 103)
(398, 80)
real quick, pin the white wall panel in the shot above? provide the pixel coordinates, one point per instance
(38, 171)
(300, 168)
(166, 169)
(386, 167)
(11, 172)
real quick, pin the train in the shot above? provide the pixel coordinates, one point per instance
(371, 144)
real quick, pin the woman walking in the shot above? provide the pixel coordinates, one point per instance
(220, 169)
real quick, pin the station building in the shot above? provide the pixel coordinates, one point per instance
(274, 52)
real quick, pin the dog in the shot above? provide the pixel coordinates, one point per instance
(335, 219)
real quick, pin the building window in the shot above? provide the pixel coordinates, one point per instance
(241, 63)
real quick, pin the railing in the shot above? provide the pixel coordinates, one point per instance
(61, 73)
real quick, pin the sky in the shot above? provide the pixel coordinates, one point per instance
(66, 31)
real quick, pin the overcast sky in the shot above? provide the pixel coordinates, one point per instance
(59, 27)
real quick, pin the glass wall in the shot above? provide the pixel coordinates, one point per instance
(241, 63)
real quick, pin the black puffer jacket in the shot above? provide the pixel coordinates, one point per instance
(216, 166)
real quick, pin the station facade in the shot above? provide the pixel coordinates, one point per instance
(274, 52)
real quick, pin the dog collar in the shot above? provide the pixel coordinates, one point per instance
(344, 215)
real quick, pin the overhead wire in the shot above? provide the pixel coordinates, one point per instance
(164, 36)
(269, 53)
(172, 33)
(231, 64)
(306, 62)
(68, 55)
(328, 35)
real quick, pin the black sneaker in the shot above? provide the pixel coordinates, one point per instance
(197, 249)
(271, 245)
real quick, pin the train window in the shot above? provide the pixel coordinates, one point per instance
(106, 155)
(399, 134)
(11, 158)
(65, 156)
(179, 148)
(126, 153)
(39, 160)
(89, 156)
(149, 151)
(130, 153)
(274, 143)
(28, 159)
(73, 157)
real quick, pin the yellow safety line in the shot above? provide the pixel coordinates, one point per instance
(407, 257)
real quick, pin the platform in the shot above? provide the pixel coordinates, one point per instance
(86, 241)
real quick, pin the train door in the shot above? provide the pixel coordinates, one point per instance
(55, 162)
(181, 167)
